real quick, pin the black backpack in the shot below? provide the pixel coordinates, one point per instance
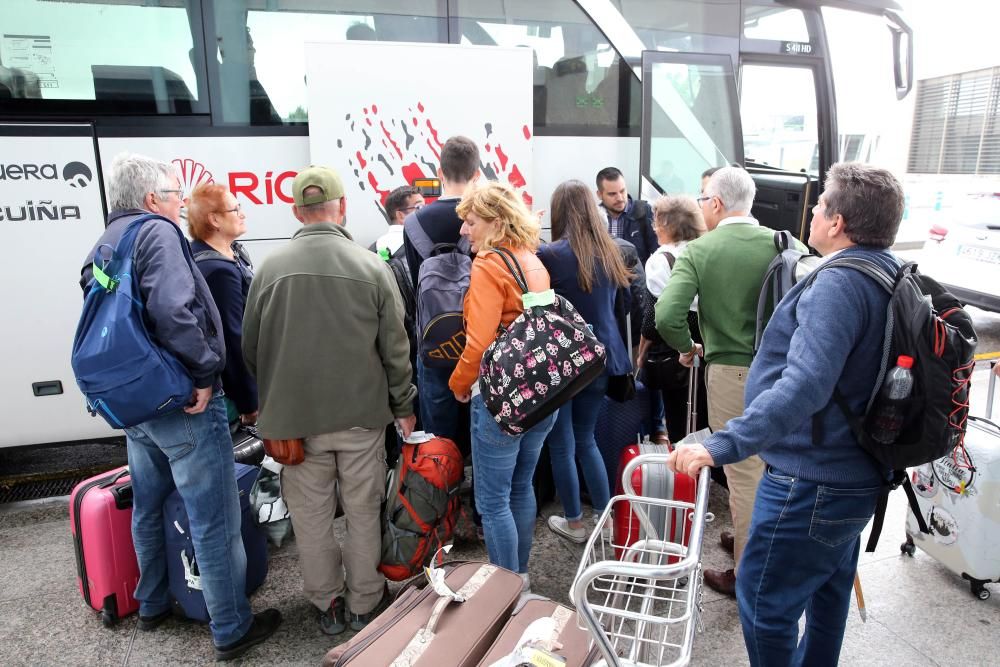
(787, 268)
(927, 323)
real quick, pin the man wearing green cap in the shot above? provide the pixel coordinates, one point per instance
(323, 332)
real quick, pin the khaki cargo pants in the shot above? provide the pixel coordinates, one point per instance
(725, 386)
(355, 458)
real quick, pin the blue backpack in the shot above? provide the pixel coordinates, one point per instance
(126, 377)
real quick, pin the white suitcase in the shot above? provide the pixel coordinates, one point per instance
(960, 503)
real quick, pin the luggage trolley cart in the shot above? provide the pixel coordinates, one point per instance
(642, 609)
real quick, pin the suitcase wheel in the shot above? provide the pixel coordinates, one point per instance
(908, 547)
(109, 612)
(980, 591)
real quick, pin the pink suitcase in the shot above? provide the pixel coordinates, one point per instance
(100, 514)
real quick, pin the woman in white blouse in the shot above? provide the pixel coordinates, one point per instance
(676, 221)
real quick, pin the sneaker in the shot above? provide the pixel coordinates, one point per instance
(605, 529)
(560, 526)
(263, 626)
(150, 623)
(359, 621)
(525, 582)
(333, 621)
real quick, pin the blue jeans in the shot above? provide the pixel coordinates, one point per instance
(439, 411)
(193, 453)
(572, 440)
(503, 466)
(801, 555)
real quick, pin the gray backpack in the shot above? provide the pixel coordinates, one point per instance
(787, 268)
(442, 282)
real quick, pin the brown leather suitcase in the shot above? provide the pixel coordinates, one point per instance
(425, 629)
(565, 639)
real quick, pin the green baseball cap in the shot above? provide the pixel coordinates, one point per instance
(324, 178)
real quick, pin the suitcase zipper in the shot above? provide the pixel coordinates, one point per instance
(401, 612)
(81, 566)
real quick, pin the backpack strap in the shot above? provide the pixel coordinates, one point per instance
(419, 238)
(204, 255)
(899, 478)
(127, 240)
(514, 267)
(670, 259)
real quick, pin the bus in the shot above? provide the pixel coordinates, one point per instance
(662, 89)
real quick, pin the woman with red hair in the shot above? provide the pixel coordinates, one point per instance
(215, 221)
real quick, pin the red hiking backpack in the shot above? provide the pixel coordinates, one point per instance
(422, 504)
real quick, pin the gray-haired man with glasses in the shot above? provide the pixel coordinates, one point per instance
(188, 449)
(725, 269)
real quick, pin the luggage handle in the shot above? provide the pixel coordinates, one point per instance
(692, 417)
(991, 390)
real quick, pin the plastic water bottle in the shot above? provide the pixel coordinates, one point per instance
(893, 402)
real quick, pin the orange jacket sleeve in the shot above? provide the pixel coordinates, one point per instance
(484, 308)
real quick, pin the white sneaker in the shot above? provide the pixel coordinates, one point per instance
(525, 583)
(560, 526)
(605, 529)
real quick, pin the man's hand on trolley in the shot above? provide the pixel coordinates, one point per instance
(689, 459)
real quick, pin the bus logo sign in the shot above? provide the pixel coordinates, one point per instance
(77, 174)
(192, 174)
(797, 48)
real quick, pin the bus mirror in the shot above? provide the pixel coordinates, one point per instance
(902, 54)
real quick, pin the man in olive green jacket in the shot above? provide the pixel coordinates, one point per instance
(323, 332)
(725, 269)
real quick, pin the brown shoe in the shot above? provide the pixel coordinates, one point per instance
(728, 542)
(721, 581)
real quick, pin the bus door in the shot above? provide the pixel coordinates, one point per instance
(782, 123)
(788, 111)
(51, 213)
(690, 119)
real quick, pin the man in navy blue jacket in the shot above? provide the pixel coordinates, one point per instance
(820, 488)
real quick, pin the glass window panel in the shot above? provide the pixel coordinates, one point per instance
(136, 56)
(691, 124)
(778, 23)
(778, 108)
(658, 21)
(579, 81)
(260, 47)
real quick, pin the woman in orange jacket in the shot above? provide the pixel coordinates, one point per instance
(495, 217)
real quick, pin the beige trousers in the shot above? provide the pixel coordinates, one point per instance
(356, 459)
(725, 401)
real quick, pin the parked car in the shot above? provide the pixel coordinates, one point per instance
(964, 254)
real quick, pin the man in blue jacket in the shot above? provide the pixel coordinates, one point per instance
(819, 488)
(188, 449)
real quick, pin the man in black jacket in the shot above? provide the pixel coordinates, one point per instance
(628, 219)
(440, 413)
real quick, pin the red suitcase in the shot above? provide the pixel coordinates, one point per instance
(100, 514)
(656, 481)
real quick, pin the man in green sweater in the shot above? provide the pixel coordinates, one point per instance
(724, 269)
(323, 333)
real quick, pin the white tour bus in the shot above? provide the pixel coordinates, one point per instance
(218, 87)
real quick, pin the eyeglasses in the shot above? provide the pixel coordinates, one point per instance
(705, 198)
(415, 207)
(237, 210)
(167, 192)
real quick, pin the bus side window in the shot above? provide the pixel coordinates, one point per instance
(260, 61)
(578, 80)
